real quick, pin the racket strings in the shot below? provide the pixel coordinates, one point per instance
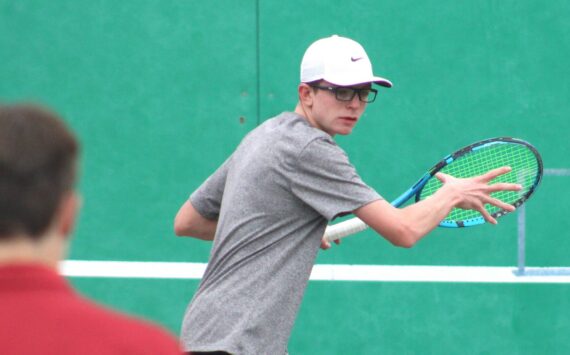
(521, 159)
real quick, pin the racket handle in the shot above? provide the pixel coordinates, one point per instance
(343, 229)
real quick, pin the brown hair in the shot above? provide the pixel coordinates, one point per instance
(38, 155)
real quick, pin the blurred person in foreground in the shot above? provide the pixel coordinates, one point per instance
(40, 313)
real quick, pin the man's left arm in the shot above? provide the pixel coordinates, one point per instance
(190, 223)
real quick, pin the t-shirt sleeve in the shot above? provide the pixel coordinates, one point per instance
(325, 179)
(207, 199)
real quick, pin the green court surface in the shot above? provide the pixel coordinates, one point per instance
(160, 93)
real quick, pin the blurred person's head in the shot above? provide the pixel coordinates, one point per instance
(38, 203)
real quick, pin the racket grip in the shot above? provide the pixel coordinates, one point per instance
(344, 229)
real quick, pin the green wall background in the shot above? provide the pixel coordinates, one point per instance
(161, 92)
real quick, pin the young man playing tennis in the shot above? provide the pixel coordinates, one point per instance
(39, 311)
(266, 208)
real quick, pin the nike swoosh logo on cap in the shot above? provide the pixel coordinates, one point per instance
(355, 59)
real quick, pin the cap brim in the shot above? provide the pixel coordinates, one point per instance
(382, 82)
(350, 81)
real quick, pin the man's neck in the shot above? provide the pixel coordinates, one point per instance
(300, 110)
(47, 250)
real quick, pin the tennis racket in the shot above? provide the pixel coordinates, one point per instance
(473, 160)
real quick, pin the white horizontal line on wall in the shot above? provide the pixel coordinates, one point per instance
(557, 172)
(324, 272)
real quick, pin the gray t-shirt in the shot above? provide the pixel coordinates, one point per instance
(272, 198)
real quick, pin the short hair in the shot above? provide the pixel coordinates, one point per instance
(38, 156)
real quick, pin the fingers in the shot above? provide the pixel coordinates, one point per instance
(490, 175)
(500, 204)
(504, 187)
(495, 202)
(487, 215)
(442, 177)
(325, 244)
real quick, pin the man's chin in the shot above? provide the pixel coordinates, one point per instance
(345, 131)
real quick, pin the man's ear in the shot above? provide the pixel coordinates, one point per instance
(305, 95)
(68, 212)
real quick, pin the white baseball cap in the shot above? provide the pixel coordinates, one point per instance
(340, 61)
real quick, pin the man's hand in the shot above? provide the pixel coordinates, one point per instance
(474, 193)
(327, 245)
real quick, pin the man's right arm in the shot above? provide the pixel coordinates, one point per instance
(190, 223)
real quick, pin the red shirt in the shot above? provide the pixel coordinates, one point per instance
(41, 314)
